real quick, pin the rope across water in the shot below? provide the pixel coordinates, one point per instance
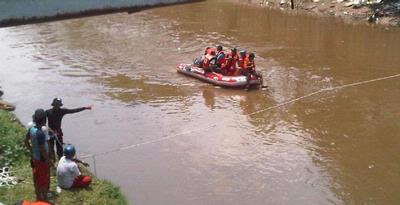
(250, 114)
(167, 137)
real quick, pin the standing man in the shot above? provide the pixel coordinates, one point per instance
(37, 144)
(54, 116)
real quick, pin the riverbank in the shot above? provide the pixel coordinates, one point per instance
(15, 156)
(386, 13)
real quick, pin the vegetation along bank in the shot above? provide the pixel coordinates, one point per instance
(14, 155)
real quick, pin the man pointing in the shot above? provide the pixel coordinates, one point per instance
(54, 117)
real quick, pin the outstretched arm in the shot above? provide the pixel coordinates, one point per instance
(70, 111)
(81, 162)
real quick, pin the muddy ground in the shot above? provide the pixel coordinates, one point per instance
(385, 13)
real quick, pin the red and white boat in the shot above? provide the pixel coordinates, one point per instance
(217, 78)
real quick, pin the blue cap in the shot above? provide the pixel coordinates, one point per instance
(69, 151)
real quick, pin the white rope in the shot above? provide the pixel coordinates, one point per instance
(142, 143)
(302, 97)
(7, 180)
(324, 90)
(253, 113)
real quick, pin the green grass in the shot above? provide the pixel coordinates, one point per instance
(13, 154)
(12, 134)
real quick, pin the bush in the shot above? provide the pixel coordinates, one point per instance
(12, 134)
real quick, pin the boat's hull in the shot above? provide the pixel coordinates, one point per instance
(217, 78)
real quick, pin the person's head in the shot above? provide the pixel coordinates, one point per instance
(252, 56)
(205, 51)
(212, 53)
(57, 103)
(233, 50)
(242, 53)
(39, 117)
(69, 151)
(219, 48)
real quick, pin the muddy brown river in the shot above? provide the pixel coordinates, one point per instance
(175, 140)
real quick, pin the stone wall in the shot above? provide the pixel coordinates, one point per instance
(17, 10)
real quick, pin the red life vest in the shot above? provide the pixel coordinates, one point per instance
(231, 61)
(207, 60)
(209, 55)
(249, 65)
(241, 60)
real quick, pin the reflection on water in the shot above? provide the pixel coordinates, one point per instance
(337, 147)
(141, 90)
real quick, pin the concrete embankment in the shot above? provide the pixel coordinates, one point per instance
(18, 12)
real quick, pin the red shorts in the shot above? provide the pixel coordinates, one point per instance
(41, 174)
(81, 181)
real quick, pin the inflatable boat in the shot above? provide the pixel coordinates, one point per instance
(217, 78)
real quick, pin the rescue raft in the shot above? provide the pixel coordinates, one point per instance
(217, 78)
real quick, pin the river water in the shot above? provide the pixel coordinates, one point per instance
(187, 142)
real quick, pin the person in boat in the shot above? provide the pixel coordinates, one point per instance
(220, 51)
(242, 57)
(249, 68)
(199, 61)
(68, 173)
(230, 62)
(37, 144)
(54, 117)
(209, 62)
(219, 60)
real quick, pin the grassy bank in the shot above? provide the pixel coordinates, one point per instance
(13, 154)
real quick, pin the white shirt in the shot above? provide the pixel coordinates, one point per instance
(67, 171)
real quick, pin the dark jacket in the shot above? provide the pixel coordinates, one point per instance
(54, 117)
